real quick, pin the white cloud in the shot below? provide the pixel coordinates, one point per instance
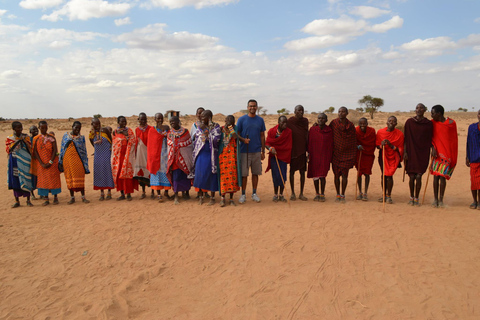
(143, 76)
(394, 23)
(155, 37)
(39, 4)
(429, 47)
(232, 86)
(122, 22)
(10, 74)
(210, 66)
(342, 26)
(368, 12)
(477, 20)
(57, 38)
(316, 42)
(2, 12)
(329, 63)
(391, 55)
(470, 41)
(88, 9)
(198, 4)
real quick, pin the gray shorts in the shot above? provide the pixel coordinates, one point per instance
(254, 162)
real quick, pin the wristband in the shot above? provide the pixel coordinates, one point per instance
(51, 162)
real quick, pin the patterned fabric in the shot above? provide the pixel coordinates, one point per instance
(123, 157)
(392, 157)
(475, 175)
(445, 141)
(276, 177)
(79, 145)
(205, 179)
(140, 168)
(344, 143)
(367, 140)
(299, 127)
(160, 180)
(282, 142)
(473, 143)
(229, 163)
(179, 151)
(73, 169)
(418, 140)
(320, 151)
(19, 164)
(48, 179)
(210, 135)
(102, 167)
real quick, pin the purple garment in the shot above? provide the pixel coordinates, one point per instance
(214, 140)
(180, 181)
(20, 193)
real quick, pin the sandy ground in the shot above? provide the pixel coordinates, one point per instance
(309, 260)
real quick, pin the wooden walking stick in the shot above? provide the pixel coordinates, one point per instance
(383, 178)
(358, 173)
(404, 168)
(426, 183)
(283, 181)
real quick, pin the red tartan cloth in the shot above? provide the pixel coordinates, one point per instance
(320, 151)
(344, 144)
(475, 176)
(282, 145)
(154, 150)
(367, 141)
(392, 157)
(418, 140)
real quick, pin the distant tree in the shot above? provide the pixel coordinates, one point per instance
(462, 109)
(264, 112)
(70, 119)
(281, 111)
(2, 119)
(97, 116)
(330, 110)
(245, 111)
(371, 104)
(314, 112)
(360, 109)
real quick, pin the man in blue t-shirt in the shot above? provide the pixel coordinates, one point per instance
(252, 128)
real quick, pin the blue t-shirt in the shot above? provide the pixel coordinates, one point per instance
(252, 127)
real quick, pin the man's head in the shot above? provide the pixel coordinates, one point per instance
(391, 123)
(17, 128)
(252, 107)
(33, 131)
(175, 122)
(363, 123)
(122, 121)
(282, 123)
(437, 112)
(96, 124)
(322, 119)
(229, 120)
(206, 117)
(420, 109)
(342, 112)
(299, 111)
(199, 112)
(142, 119)
(159, 118)
(76, 127)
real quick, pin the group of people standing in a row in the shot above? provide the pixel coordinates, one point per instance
(216, 158)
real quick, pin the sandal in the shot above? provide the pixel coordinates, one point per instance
(360, 196)
(55, 201)
(389, 200)
(322, 198)
(109, 197)
(29, 204)
(338, 198)
(143, 196)
(16, 205)
(282, 198)
(200, 200)
(222, 202)
(85, 200)
(160, 198)
(412, 201)
(46, 203)
(275, 198)
(435, 204)
(102, 197)
(293, 197)
(129, 197)
(416, 202)
(302, 197)
(232, 203)
(152, 196)
(317, 198)
(121, 198)
(342, 198)
(212, 201)
(72, 201)
(473, 205)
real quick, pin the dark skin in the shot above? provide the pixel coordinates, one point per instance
(439, 183)
(363, 124)
(17, 131)
(252, 111)
(282, 125)
(342, 115)
(164, 129)
(475, 193)
(175, 124)
(43, 130)
(33, 133)
(299, 111)
(142, 122)
(122, 129)
(97, 129)
(76, 128)
(415, 179)
(206, 119)
(321, 123)
(229, 126)
(391, 124)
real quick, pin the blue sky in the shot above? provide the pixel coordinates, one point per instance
(76, 58)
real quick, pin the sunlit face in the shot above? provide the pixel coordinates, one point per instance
(420, 110)
(199, 113)
(43, 128)
(33, 131)
(299, 111)
(391, 123)
(363, 123)
(96, 124)
(175, 123)
(322, 119)
(76, 129)
(252, 107)
(142, 120)
(229, 121)
(159, 119)
(342, 113)
(122, 122)
(282, 123)
(18, 130)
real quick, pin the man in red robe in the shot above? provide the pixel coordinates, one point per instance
(299, 126)
(444, 153)
(418, 142)
(390, 141)
(320, 152)
(366, 138)
(344, 151)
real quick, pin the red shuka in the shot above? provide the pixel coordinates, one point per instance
(392, 157)
(282, 144)
(320, 151)
(367, 140)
